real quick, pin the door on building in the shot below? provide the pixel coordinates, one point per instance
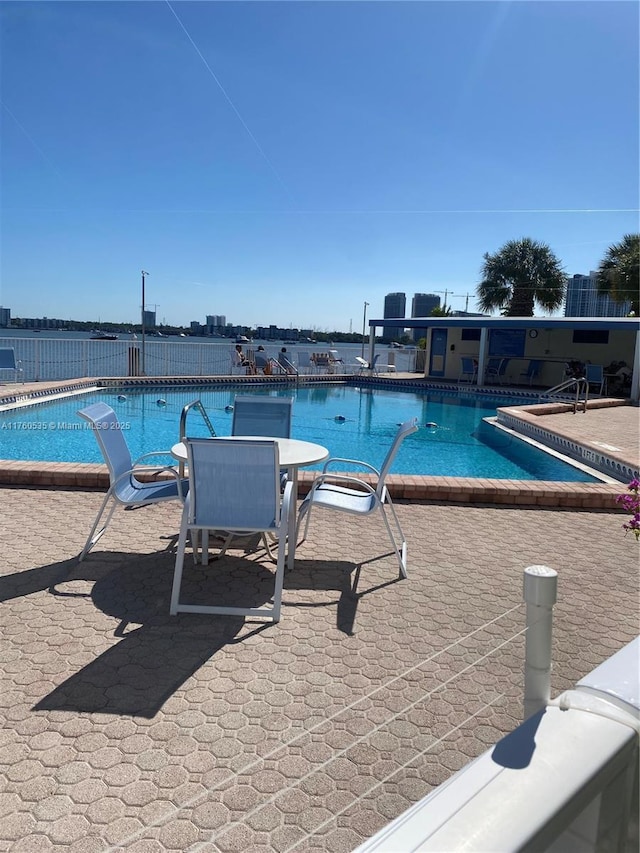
(438, 354)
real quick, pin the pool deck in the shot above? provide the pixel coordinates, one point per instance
(608, 423)
(126, 729)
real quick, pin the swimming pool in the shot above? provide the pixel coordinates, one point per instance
(352, 422)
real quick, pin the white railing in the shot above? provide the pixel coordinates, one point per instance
(563, 780)
(49, 359)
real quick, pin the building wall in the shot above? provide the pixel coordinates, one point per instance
(553, 347)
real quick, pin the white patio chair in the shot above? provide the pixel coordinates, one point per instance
(303, 361)
(235, 487)
(336, 363)
(125, 488)
(369, 366)
(349, 493)
(8, 362)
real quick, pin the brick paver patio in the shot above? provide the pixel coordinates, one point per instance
(126, 729)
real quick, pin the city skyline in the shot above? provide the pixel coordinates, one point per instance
(266, 162)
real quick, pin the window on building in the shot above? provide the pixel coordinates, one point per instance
(591, 336)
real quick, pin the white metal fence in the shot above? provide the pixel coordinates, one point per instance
(48, 359)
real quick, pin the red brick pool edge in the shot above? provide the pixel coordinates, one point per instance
(419, 489)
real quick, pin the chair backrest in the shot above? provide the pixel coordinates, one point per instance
(534, 368)
(303, 360)
(254, 414)
(8, 358)
(233, 485)
(468, 365)
(391, 358)
(110, 438)
(405, 429)
(375, 361)
(260, 359)
(594, 373)
(497, 365)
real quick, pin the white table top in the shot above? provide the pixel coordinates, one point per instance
(292, 451)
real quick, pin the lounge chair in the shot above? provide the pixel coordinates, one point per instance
(349, 493)
(125, 488)
(235, 486)
(285, 364)
(320, 361)
(304, 362)
(8, 362)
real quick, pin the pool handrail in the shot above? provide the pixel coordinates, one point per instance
(194, 404)
(579, 383)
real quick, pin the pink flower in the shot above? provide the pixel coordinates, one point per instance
(631, 503)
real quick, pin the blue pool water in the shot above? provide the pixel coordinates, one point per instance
(357, 423)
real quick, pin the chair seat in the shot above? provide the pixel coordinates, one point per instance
(345, 499)
(162, 490)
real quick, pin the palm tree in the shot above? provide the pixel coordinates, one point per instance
(618, 271)
(522, 273)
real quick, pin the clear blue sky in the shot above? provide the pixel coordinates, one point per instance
(286, 162)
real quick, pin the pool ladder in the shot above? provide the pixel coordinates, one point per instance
(194, 404)
(579, 383)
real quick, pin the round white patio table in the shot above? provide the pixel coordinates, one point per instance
(293, 453)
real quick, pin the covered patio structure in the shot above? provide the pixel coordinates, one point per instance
(554, 342)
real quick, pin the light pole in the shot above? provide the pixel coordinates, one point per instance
(364, 325)
(142, 363)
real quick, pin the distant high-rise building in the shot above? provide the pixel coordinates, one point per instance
(422, 305)
(5, 317)
(394, 307)
(583, 299)
(215, 323)
(149, 319)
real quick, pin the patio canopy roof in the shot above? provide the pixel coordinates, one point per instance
(629, 324)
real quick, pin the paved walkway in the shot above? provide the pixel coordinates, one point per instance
(614, 428)
(123, 728)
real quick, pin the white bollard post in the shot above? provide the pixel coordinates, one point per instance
(540, 593)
